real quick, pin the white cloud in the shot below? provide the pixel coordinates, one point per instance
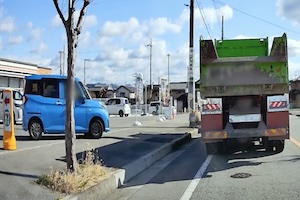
(293, 47)
(162, 25)
(13, 40)
(117, 28)
(89, 20)
(294, 71)
(56, 21)
(7, 25)
(289, 9)
(35, 34)
(212, 15)
(84, 38)
(42, 47)
(29, 25)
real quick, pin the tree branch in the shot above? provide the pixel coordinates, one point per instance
(59, 12)
(81, 15)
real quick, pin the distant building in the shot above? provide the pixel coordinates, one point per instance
(125, 91)
(294, 93)
(100, 90)
(12, 72)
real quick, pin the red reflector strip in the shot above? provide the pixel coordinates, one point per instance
(211, 107)
(277, 104)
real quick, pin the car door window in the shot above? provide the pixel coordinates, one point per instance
(51, 88)
(33, 87)
(109, 102)
(118, 101)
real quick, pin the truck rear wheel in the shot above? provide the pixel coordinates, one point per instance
(269, 145)
(279, 146)
(218, 147)
(211, 148)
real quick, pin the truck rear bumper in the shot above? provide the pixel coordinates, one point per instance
(272, 134)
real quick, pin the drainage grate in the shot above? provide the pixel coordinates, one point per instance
(241, 175)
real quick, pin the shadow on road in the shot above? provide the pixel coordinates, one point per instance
(18, 174)
(45, 137)
(128, 149)
(184, 167)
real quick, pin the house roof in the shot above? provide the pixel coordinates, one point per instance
(129, 88)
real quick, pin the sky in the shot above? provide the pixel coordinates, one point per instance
(116, 33)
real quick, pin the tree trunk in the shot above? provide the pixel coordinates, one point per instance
(72, 32)
(70, 122)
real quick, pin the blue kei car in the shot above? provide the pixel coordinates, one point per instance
(44, 108)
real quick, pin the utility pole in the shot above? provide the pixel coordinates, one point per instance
(169, 88)
(60, 62)
(150, 65)
(64, 60)
(191, 84)
(222, 33)
(84, 70)
(146, 95)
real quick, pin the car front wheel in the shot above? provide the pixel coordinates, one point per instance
(96, 129)
(35, 129)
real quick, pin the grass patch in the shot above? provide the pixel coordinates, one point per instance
(90, 171)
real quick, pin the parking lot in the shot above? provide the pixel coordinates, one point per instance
(117, 125)
(33, 158)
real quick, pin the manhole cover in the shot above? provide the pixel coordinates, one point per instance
(241, 175)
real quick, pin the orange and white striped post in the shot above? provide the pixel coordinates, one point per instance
(9, 139)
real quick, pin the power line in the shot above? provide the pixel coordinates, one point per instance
(204, 20)
(258, 18)
(207, 28)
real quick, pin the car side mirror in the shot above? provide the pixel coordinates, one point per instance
(81, 99)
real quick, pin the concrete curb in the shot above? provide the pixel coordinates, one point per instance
(129, 171)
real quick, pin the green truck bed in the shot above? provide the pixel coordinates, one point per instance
(243, 67)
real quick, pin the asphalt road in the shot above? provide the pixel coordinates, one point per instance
(189, 173)
(124, 144)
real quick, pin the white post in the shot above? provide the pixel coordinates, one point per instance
(145, 97)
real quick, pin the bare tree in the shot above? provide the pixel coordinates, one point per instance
(72, 32)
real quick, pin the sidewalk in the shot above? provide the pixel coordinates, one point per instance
(294, 111)
(19, 169)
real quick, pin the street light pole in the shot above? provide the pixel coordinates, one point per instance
(169, 87)
(84, 69)
(150, 65)
(60, 62)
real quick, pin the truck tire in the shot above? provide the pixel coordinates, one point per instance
(210, 148)
(279, 146)
(222, 147)
(269, 145)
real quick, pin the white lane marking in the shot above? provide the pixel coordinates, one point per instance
(194, 183)
(30, 148)
(48, 145)
(295, 141)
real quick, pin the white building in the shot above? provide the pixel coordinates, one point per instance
(12, 73)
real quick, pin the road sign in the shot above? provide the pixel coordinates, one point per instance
(9, 139)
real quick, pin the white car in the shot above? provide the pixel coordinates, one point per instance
(118, 106)
(18, 102)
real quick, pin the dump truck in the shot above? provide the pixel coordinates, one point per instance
(245, 90)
